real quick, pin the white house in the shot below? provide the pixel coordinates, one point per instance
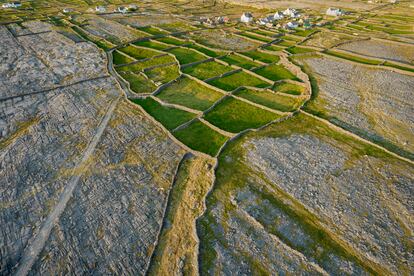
(122, 9)
(100, 9)
(334, 12)
(12, 5)
(291, 25)
(247, 17)
(278, 16)
(67, 10)
(266, 20)
(292, 13)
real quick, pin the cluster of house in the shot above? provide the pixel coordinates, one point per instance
(126, 9)
(214, 21)
(292, 16)
(12, 5)
(334, 12)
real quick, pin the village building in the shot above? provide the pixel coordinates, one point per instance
(291, 25)
(292, 13)
(334, 12)
(12, 5)
(278, 16)
(67, 10)
(247, 17)
(122, 9)
(100, 9)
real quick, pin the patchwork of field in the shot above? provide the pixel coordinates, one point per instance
(150, 143)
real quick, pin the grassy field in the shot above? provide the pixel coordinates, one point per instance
(152, 31)
(139, 66)
(289, 88)
(275, 72)
(299, 50)
(304, 32)
(256, 37)
(234, 115)
(138, 53)
(151, 44)
(353, 58)
(138, 83)
(271, 99)
(163, 74)
(207, 70)
(172, 41)
(119, 58)
(167, 116)
(261, 56)
(200, 137)
(206, 51)
(239, 61)
(233, 81)
(186, 56)
(190, 93)
(273, 48)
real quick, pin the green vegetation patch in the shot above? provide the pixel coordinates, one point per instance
(289, 88)
(177, 26)
(256, 37)
(153, 31)
(299, 50)
(207, 70)
(273, 48)
(271, 99)
(200, 137)
(163, 74)
(172, 41)
(275, 72)
(305, 32)
(240, 61)
(141, 65)
(185, 55)
(169, 117)
(120, 58)
(353, 58)
(236, 80)
(206, 51)
(151, 44)
(263, 57)
(190, 93)
(138, 83)
(235, 115)
(138, 53)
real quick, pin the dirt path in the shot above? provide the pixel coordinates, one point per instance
(38, 242)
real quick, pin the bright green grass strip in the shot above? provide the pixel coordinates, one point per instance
(239, 61)
(234, 115)
(263, 57)
(299, 50)
(163, 74)
(177, 26)
(200, 137)
(138, 83)
(304, 32)
(167, 116)
(353, 58)
(172, 41)
(389, 64)
(120, 58)
(206, 51)
(151, 30)
(138, 53)
(256, 37)
(151, 44)
(289, 88)
(286, 43)
(190, 93)
(291, 38)
(233, 81)
(270, 99)
(139, 66)
(207, 70)
(273, 48)
(263, 32)
(275, 72)
(186, 56)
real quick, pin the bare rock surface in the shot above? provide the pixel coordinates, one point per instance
(377, 101)
(382, 49)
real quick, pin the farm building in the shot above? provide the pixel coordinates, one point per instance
(334, 12)
(247, 17)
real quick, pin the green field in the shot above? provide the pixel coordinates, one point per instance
(169, 117)
(299, 50)
(185, 55)
(233, 81)
(234, 115)
(207, 70)
(139, 66)
(138, 83)
(138, 53)
(206, 51)
(273, 48)
(288, 88)
(256, 37)
(172, 41)
(353, 58)
(261, 56)
(151, 30)
(163, 74)
(190, 93)
(151, 44)
(304, 32)
(239, 61)
(200, 137)
(275, 72)
(270, 99)
(119, 58)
